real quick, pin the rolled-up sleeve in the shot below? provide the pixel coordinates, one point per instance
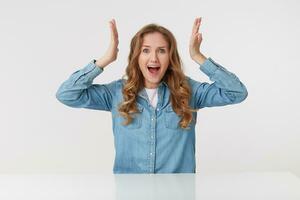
(226, 87)
(79, 92)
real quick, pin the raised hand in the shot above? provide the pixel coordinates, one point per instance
(195, 41)
(112, 51)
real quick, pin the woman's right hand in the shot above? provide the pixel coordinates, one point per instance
(112, 51)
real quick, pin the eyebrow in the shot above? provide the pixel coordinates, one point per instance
(158, 47)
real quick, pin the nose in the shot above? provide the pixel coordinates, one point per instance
(153, 57)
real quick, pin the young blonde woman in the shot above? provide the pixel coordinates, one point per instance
(154, 109)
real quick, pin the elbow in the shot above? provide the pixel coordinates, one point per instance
(243, 94)
(62, 98)
(238, 95)
(69, 99)
(59, 97)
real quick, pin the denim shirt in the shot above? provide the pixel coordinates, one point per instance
(153, 142)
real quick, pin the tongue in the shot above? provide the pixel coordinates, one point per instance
(153, 70)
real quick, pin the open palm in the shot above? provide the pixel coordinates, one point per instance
(196, 39)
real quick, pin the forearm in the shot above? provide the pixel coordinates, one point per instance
(225, 80)
(80, 80)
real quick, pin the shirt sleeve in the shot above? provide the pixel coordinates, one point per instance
(226, 87)
(79, 92)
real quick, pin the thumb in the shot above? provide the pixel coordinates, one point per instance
(199, 36)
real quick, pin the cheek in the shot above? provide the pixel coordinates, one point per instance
(142, 60)
(165, 60)
(141, 63)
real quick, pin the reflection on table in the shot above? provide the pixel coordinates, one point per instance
(233, 186)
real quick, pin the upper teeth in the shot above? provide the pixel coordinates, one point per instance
(154, 66)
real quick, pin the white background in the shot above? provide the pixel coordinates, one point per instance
(42, 43)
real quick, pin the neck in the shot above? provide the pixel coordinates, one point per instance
(150, 85)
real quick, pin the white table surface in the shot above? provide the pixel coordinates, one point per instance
(239, 185)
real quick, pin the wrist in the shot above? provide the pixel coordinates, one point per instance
(101, 63)
(199, 58)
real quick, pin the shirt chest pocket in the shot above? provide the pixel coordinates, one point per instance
(136, 122)
(171, 119)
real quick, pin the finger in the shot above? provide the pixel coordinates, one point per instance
(194, 26)
(114, 34)
(198, 24)
(115, 27)
(195, 38)
(199, 37)
(115, 31)
(111, 26)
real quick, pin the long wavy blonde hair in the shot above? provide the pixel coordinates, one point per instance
(180, 91)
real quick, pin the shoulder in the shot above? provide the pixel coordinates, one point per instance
(119, 83)
(191, 81)
(195, 85)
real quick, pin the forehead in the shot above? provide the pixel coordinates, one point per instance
(155, 39)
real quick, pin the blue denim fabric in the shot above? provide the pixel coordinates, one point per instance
(153, 142)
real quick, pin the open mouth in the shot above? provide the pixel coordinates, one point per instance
(153, 69)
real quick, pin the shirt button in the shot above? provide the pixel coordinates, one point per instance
(151, 153)
(157, 109)
(152, 119)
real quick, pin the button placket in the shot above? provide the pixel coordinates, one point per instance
(153, 124)
(152, 140)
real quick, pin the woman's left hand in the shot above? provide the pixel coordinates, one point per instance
(195, 40)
